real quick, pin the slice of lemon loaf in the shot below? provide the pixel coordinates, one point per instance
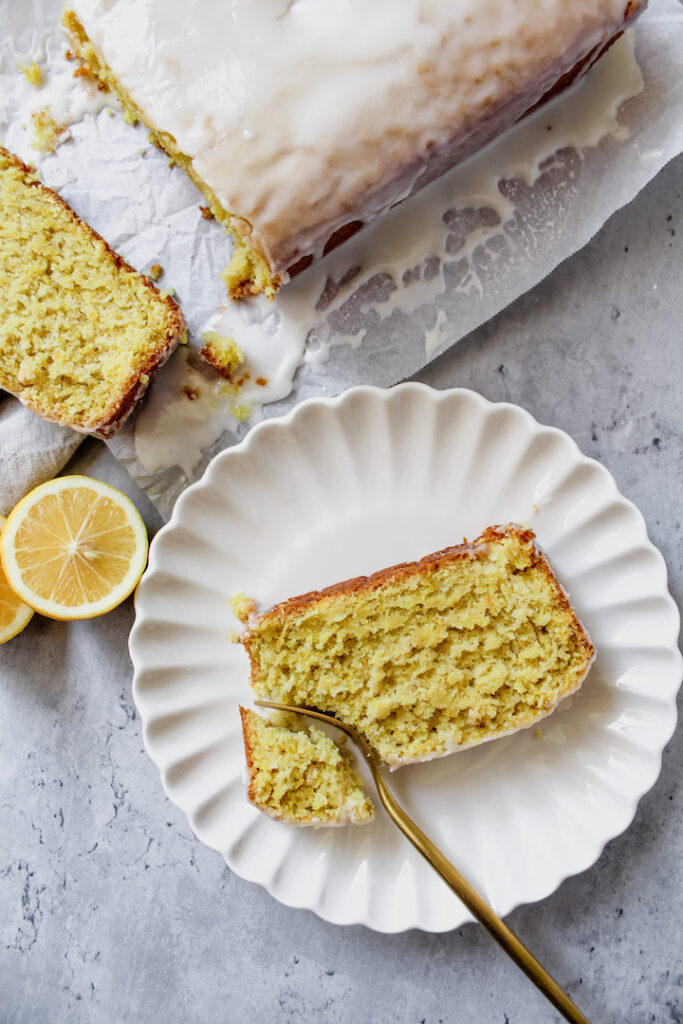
(299, 775)
(81, 332)
(433, 656)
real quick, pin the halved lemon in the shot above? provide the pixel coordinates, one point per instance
(73, 548)
(14, 614)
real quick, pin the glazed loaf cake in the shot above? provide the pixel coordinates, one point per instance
(81, 332)
(425, 658)
(303, 120)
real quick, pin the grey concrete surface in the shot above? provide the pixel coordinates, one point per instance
(111, 911)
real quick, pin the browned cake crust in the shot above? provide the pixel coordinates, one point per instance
(248, 752)
(428, 564)
(123, 403)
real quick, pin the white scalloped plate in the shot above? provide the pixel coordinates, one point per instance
(343, 487)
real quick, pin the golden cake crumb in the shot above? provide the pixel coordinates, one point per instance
(247, 273)
(221, 352)
(47, 133)
(241, 412)
(242, 606)
(33, 73)
(299, 775)
(468, 644)
(86, 72)
(155, 271)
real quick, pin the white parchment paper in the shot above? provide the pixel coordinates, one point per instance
(380, 307)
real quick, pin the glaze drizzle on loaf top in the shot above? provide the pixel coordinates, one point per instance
(301, 118)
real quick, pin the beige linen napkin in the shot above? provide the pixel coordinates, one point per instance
(31, 450)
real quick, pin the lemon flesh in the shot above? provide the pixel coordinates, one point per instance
(14, 614)
(74, 548)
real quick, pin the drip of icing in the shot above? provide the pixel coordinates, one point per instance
(397, 263)
(186, 412)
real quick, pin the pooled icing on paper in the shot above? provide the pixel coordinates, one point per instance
(303, 115)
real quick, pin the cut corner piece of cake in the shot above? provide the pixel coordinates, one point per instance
(303, 122)
(427, 658)
(297, 774)
(82, 332)
(222, 353)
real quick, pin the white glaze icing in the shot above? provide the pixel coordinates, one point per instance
(302, 115)
(277, 337)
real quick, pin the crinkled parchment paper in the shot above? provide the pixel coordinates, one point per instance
(378, 308)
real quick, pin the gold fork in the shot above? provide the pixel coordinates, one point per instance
(475, 903)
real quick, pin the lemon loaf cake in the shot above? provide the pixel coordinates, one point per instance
(303, 120)
(81, 332)
(299, 775)
(429, 657)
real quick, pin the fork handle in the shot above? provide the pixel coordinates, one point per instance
(478, 906)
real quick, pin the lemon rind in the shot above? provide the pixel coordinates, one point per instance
(24, 612)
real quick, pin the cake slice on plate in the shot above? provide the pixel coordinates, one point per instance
(425, 658)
